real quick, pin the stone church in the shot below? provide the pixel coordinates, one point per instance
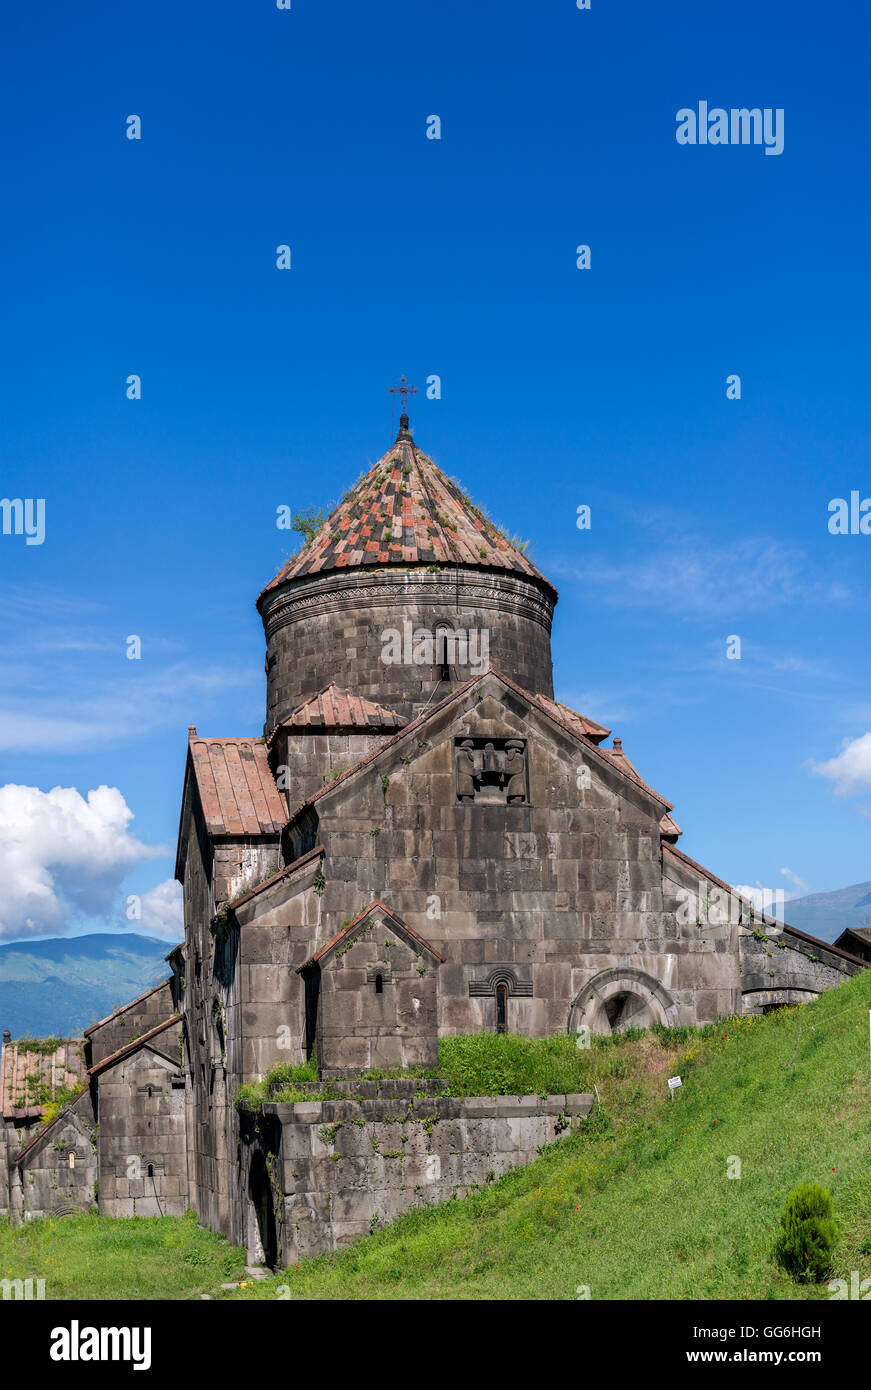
(424, 841)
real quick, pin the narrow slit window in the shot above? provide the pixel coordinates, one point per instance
(379, 984)
(501, 1008)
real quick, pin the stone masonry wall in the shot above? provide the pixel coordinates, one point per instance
(131, 1022)
(341, 1169)
(143, 1151)
(44, 1182)
(556, 891)
(784, 969)
(329, 629)
(311, 760)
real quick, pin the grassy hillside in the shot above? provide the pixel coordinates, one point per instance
(637, 1205)
(60, 986)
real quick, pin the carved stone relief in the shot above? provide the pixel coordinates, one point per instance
(492, 770)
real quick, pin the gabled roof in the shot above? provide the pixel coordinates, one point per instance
(335, 708)
(861, 934)
(233, 782)
(390, 919)
(145, 1041)
(557, 713)
(588, 727)
(549, 708)
(24, 1073)
(128, 1008)
(236, 786)
(68, 1112)
(406, 511)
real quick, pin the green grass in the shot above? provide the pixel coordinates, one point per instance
(96, 1257)
(636, 1205)
(488, 1064)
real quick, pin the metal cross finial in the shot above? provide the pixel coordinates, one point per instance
(403, 388)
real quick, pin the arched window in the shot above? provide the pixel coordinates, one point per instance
(151, 1170)
(379, 984)
(501, 1008)
(72, 1158)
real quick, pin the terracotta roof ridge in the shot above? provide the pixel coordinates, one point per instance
(826, 945)
(125, 1008)
(286, 872)
(135, 1044)
(376, 904)
(694, 864)
(456, 694)
(605, 752)
(224, 738)
(46, 1128)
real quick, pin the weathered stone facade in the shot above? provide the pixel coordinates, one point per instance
(143, 1138)
(321, 1174)
(424, 842)
(57, 1171)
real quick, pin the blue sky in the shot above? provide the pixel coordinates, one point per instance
(560, 387)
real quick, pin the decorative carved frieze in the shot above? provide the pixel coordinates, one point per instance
(506, 594)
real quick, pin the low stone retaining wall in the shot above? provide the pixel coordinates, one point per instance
(340, 1169)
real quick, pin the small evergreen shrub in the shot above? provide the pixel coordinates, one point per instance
(808, 1233)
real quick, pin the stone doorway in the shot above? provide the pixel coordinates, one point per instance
(262, 1229)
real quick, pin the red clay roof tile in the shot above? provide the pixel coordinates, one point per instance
(24, 1073)
(427, 514)
(236, 786)
(335, 708)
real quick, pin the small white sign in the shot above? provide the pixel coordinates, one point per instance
(674, 1081)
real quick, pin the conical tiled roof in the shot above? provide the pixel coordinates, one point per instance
(405, 511)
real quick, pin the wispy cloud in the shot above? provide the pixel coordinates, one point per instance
(794, 879)
(693, 576)
(98, 709)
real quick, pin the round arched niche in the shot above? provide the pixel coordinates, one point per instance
(621, 998)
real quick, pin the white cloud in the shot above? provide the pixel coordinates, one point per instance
(162, 911)
(63, 856)
(767, 900)
(849, 772)
(794, 878)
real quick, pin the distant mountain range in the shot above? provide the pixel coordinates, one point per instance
(60, 986)
(826, 915)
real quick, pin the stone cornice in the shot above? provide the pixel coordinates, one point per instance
(342, 592)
